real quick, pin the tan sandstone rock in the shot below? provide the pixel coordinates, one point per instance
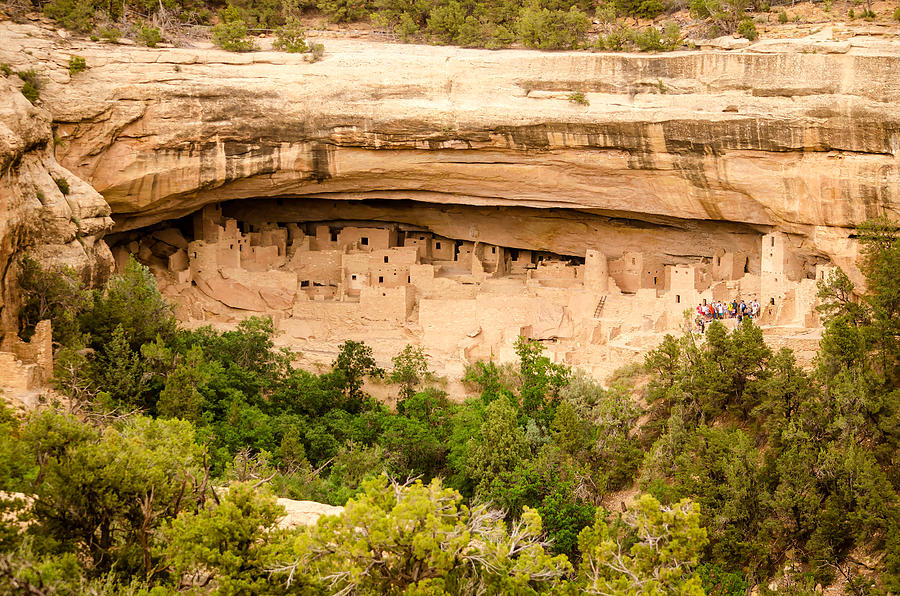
(806, 143)
(305, 513)
(37, 218)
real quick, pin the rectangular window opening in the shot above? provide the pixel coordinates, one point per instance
(381, 279)
(364, 241)
(385, 259)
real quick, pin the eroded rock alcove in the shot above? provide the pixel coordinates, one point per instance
(465, 282)
(687, 176)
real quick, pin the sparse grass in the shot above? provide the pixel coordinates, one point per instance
(316, 51)
(6, 69)
(29, 76)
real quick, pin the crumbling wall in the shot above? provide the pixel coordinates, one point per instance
(27, 365)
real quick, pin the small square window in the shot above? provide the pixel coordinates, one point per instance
(352, 277)
(364, 241)
(380, 279)
(385, 259)
(437, 245)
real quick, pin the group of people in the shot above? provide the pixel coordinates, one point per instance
(737, 308)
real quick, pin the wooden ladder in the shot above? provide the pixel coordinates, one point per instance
(599, 310)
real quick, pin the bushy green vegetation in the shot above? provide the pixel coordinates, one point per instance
(541, 24)
(291, 37)
(31, 87)
(579, 98)
(231, 33)
(747, 29)
(752, 468)
(77, 64)
(232, 36)
(62, 184)
(112, 34)
(148, 36)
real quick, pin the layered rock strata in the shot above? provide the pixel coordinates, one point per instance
(805, 143)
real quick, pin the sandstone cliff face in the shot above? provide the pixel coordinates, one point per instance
(807, 143)
(38, 219)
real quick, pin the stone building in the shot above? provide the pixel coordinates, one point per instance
(465, 299)
(27, 365)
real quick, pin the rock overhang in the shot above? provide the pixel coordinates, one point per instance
(805, 143)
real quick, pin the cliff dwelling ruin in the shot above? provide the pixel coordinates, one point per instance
(470, 198)
(325, 273)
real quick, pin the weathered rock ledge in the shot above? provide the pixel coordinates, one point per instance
(807, 143)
